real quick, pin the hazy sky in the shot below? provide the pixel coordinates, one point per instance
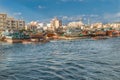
(67, 10)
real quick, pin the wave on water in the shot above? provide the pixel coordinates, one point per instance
(61, 60)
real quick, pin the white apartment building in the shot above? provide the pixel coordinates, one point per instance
(10, 23)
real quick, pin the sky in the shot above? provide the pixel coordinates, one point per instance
(66, 10)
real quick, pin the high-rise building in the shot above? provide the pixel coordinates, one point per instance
(21, 24)
(10, 23)
(56, 23)
(3, 20)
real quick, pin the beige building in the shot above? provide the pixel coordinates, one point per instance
(10, 23)
(32, 26)
(76, 24)
(96, 25)
(55, 23)
(3, 20)
(21, 24)
(115, 25)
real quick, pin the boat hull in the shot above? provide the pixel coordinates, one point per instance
(9, 40)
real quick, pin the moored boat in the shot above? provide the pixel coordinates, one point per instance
(14, 36)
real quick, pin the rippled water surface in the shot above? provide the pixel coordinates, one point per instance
(61, 60)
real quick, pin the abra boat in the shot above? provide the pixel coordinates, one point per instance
(14, 36)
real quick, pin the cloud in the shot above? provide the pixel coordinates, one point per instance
(105, 18)
(17, 14)
(94, 15)
(41, 7)
(70, 18)
(116, 15)
(112, 17)
(78, 17)
(93, 18)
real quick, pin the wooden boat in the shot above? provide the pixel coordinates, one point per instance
(99, 37)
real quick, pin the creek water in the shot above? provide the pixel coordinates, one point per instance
(84, 59)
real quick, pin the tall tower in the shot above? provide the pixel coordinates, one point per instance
(56, 23)
(88, 21)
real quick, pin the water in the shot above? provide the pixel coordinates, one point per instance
(61, 60)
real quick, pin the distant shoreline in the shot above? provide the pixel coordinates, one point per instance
(64, 38)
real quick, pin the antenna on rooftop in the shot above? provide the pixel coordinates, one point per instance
(88, 21)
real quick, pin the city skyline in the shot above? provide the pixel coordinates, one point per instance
(66, 10)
